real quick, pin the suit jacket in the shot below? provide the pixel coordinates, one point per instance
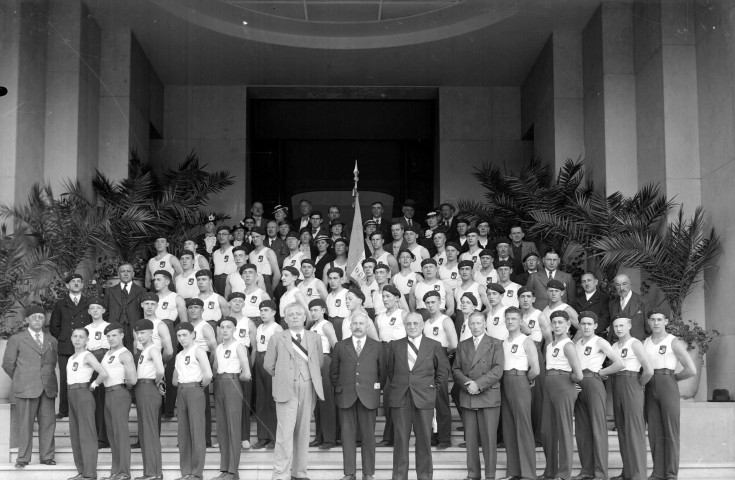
(279, 248)
(526, 248)
(384, 227)
(403, 221)
(388, 247)
(430, 370)
(484, 367)
(521, 278)
(32, 368)
(280, 361)
(354, 377)
(114, 304)
(537, 282)
(319, 267)
(458, 322)
(451, 229)
(636, 309)
(597, 303)
(65, 318)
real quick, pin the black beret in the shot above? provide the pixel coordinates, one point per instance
(454, 245)
(165, 273)
(223, 227)
(358, 294)
(473, 230)
(392, 290)
(504, 263)
(71, 277)
(235, 295)
(149, 297)
(317, 302)
(292, 270)
(185, 326)
(227, 318)
(337, 221)
(259, 229)
(112, 327)
(466, 263)
(555, 284)
(293, 234)
(194, 301)
(486, 252)
(143, 324)
(382, 266)
(496, 287)
(428, 261)
(33, 309)
(532, 254)
(523, 290)
(471, 297)
(588, 314)
(413, 228)
(559, 313)
(431, 293)
(268, 304)
(204, 273)
(248, 266)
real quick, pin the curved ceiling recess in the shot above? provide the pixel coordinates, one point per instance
(343, 24)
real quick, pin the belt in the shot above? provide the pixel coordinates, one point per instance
(663, 371)
(328, 354)
(190, 385)
(228, 375)
(589, 373)
(627, 373)
(260, 354)
(219, 275)
(147, 380)
(515, 371)
(74, 386)
(115, 387)
(555, 371)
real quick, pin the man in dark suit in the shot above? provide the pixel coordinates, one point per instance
(594, 300)
(294, 359)
(69, 313)
(518, 248)
(409, 210)
(381, 224)
(537, 281)
(122, 303)
(358, 374)
(629, 305)
(449, 221)
(317, 227)
(478, 368)
(529, 266)
(30, 361)
(416, 366)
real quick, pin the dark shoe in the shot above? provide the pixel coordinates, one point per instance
(434, 442)
(326, 446)
(348, 477)
(135, 445)
(78, 476)
(368, 477)
(60, 415)
(20, 464)
(209, 445)
(444, 445)
(103, 445)
(460, 428)
(500, 445)
(384, 443)
(619, 477)
(539, 444)
(583, 477)
(462, 445)
(338, 442)
(270, 445)
(358, 443)
(50, 461)
(146, 477)
(260, 444)
(314, 443)
(512, 477)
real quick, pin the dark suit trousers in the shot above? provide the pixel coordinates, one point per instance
(228, 404)
(628, 405)
(537, 402)
(63, 398)
(28, 409)
(325, 413)
(403, 418)
(480, 428)
(99, 402)
(169, 401)
(246, 389)
(149, 417)
(591, 427)
(559, 399)
(518, 430)
(265, 406)
(82, 431)
(117, 410)
(219, 283)
(443, 414)
(354, 419)
(388, 429)
(662, 415)
(192, 450)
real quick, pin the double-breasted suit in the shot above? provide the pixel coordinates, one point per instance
(411, 397)
(636, 309)
(357, 381)
(480, 412)
(537, 283)
(598, 303)
(65, 317)
(125, 311)
(33, 371)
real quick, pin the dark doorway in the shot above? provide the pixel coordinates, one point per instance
(309, 147)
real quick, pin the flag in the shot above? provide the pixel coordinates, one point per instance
(356, 254)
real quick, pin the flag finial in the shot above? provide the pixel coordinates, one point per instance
(357, 178)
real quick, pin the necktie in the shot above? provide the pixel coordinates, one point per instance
(76, 300)
(358, 349)
(38, 340)
(411, 355)
(551, 275)
(622, 303)
(298, 338)
(477, 342)
(410, 222)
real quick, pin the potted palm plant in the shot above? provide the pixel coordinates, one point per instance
(674, 260)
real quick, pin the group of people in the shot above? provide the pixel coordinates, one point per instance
(281, 332)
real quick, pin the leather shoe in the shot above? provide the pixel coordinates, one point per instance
(259, 444)
(384, 443)
(368, 477)
(326, 446)
(20, 464)
(462, 445)
(50, 461)
(78, 476)
(146, 477)
(511, 477)
(315, 443)
(60, 415)
(348, 477)
(619, 477)
(135, 445)
(270, 445)
(443, 445)
(583, 477)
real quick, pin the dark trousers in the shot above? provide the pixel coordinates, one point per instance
(99, 402)
(537, 398)
(228, 404)
(403, 419)
(82, 431)
(63, 395)
(558, 443)
(591, 427)
(325, 413)
(246, 389)
(516, 412)
(149, 418)
(662, 416)
(628, 405)
(219, 282)
(351, 418)
(192, 449)
(28, 410)
(117, 410)
(169, 401)
(208, 416)
(265, 406)
(388, 429)
(480, 426)
(443, 414)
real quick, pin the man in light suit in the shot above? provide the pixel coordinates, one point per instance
(122, 304)
(358, 374)
(69, 313)
(294, 359)
(416, 366)
(594, 300)
(30, 361)
(629, 305)
(537, 281)
(478, 368)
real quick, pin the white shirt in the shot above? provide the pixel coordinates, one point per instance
(361, 340)
(589, 295)
(624, 300)
(75, 298)
(478, 339)
(33, 334)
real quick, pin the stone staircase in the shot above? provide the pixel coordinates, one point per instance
(323, 464)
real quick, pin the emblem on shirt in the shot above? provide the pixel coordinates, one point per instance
(555, 352)
(165, 305)
(463, 328)
(338, 302)
(510, 293)
(260, 258)
(243, 333)
(624, 352)
(587, 350)
(514, 349)
(662, 349)
(437, 287)
(253, 299)
(191, 281)
(98, 335)
(187, 360)
(454, 275)
(162, 263)
(441, 261)
(262, 339)
(227, 353)
(111, 359)
(210, 305)
(496, 320)
(141, 359)
(308, 292)
(531, 323)
(474, 258)
(392, 321)
(293, 262)
(410, 283)
(436, 331)
(74, 366)
(227, 257)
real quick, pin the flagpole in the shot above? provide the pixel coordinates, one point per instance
(356, 173)
(356, 253)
